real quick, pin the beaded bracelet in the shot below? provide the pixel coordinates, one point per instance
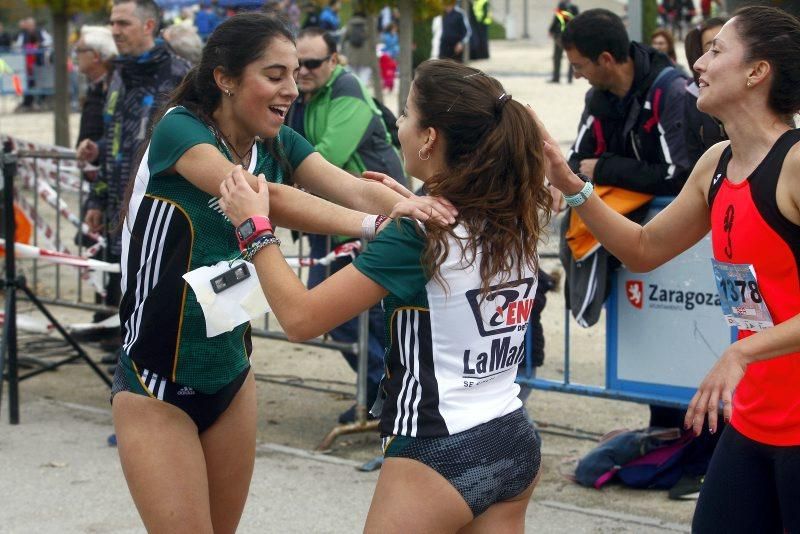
(262, 241)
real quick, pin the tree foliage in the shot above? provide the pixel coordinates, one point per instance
(69, 7)
(424, 9)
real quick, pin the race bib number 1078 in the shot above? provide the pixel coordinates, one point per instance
(740, 297)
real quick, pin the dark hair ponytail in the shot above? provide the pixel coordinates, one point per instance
(495, 169)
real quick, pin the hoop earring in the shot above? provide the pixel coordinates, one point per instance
(420, 155)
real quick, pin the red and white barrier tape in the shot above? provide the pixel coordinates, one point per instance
(29, 252)
(345, 250)
(42, 227)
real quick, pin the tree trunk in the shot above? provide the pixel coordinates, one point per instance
(374, 67)
(62, 85)
(406, 45)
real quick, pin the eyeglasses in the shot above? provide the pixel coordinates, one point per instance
(82, 50)
(312, 64)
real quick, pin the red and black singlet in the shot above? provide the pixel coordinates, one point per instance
(748, 228)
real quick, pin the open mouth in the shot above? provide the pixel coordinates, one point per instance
(280, 111)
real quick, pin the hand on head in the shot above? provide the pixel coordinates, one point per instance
(239, 201)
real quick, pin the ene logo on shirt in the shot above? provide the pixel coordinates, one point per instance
(506, 306)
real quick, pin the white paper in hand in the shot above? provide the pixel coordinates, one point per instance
(233, 306)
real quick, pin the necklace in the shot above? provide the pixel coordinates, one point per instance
(234, 152)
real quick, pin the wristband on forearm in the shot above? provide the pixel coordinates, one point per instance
(581, 196)
(370, 225)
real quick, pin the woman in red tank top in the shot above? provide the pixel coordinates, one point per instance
(747, 193)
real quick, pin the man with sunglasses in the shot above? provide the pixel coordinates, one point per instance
(338, 116)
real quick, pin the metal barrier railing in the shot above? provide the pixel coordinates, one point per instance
(50, 189)
(27, 72)
(51, 177)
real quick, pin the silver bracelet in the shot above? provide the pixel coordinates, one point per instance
(257, 245)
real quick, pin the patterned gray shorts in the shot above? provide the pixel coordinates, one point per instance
(490, 463)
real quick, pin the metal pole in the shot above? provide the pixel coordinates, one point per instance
(635, 20)
(363, 357)
(10, 326)
(566, 345)
(525, 33)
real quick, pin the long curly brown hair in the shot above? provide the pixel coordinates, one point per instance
(494, 171)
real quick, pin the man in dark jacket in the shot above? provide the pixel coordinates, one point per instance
(564, 13)
(455, 32)
(631, 133)
(145, 72)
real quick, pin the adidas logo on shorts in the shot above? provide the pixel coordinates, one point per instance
(186, 390)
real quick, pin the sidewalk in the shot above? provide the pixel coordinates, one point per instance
(58, 476)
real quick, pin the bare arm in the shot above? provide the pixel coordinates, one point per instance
(720, 382)
(206, 169)
(676, 228)
(303, 313)
(320, 177)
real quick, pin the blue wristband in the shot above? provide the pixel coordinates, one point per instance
(581, 196)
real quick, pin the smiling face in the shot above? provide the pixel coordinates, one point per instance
(262, 95)
(723, 73)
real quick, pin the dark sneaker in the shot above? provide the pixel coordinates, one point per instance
(687, 488)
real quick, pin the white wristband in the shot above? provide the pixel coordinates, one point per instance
(581, 196)
(368, 227)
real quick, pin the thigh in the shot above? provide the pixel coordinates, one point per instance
(163, 463)
(507, 517)
(738, 492)
(229, 446)
(787, 475)
(412, 497)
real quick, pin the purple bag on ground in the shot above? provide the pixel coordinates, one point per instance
(648, 458)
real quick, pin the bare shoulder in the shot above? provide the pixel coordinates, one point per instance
(788, 193)
(791, 166)
(703, 172)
